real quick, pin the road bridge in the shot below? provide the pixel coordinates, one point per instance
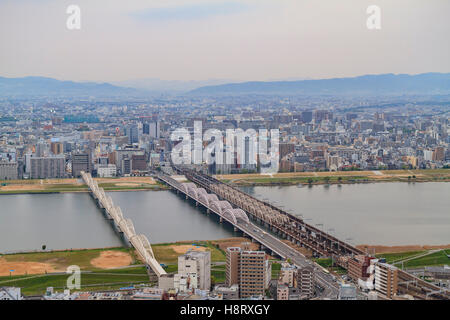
(224, 198)
(125, 226)
(275, 219)
(240, 221)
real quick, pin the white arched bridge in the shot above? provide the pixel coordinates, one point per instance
(138, 241)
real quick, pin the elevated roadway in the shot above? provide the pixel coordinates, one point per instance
(240, 221)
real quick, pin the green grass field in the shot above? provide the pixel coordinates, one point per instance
(438, 258)
(340, 177)
(397, 256)
(435, 259)
(98, 280)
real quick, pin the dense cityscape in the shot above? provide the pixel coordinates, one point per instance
(225, 158)
(41, 140)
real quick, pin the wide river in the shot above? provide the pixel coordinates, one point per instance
(379, 213)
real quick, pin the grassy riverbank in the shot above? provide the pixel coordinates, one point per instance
(43, 186)
(103, 268)
(339, 177)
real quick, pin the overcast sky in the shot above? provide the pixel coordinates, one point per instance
(222, 39)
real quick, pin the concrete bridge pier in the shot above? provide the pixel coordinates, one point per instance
(221, 219)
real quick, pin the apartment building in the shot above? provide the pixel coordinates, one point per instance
(47, 167)
(232, 272)
(358, 267)
(250, 269)
(306, 282)
(386, 279)
(8, 170)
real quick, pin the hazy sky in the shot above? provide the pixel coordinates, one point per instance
(222, 39)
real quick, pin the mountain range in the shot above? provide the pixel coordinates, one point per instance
(387, 84)
(41, 86)
(383, 84)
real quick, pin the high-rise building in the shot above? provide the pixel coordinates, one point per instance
(8, 170)
(386, 279)
(250, 269)
(145, 128)
(40, 149)
(81, 162)
(126, 166)
(254, 270)
(232, 271)
(47, 167)
(199, 263)
(154, 129)
(57, 147)
(132, 133)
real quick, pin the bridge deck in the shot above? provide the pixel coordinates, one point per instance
(139, 242)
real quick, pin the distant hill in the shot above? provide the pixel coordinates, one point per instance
(387, 84)
(41, 86)
(168, 86)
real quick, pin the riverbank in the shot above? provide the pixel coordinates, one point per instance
(105, 268)
(48, 186)
(338, 177)
(115, 267)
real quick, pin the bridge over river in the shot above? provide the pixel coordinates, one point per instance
(123, 225)
(235, 207)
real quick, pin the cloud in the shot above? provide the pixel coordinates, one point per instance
(191, 12)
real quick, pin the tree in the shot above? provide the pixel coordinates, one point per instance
(44, 247)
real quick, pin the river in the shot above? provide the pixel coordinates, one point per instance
(376, 213)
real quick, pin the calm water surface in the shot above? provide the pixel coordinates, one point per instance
(72, 220)
(375, 213)
(378, 213)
